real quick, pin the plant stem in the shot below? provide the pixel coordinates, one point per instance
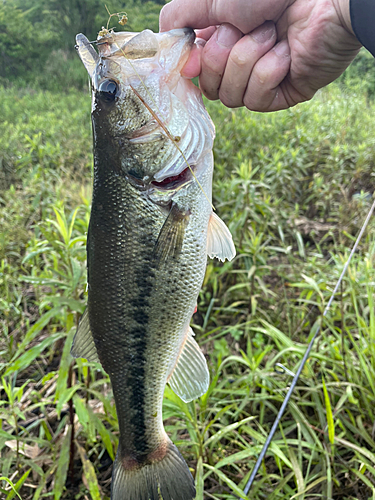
(71, 421)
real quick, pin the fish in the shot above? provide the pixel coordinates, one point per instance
(151, 228)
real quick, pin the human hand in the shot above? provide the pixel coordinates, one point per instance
(266, 55)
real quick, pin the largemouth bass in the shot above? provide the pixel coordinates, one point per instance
(151, 228)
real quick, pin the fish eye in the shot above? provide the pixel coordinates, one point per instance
(108, 90)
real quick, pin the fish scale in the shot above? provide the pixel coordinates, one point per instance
(147, 245)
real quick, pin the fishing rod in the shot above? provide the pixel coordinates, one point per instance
(304, 359)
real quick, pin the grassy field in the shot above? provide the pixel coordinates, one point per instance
(294, 188)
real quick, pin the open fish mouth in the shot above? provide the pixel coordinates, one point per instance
(174, 181)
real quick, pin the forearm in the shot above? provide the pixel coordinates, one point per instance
(362, 14)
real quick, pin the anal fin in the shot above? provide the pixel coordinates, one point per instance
(190, 377)
(219, 240)
(83, 342)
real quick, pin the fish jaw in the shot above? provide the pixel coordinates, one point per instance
(172, 48)
(151, 68)
(138, 100)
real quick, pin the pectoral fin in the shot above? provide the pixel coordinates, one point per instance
(219, 240)
(171, 236)
(83, 342)
(190, 377)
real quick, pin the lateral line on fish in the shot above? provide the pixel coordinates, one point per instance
(161, 124)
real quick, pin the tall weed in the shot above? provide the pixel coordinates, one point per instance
(293, 188)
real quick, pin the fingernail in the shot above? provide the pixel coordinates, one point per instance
(282, 49)
(200, 42)
(227, 35)
(264, 32)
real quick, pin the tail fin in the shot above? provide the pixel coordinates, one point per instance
(168, 479)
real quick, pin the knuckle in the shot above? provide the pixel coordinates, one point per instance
(260, 75)
(214, 59)
(239, 57)
(213, 64)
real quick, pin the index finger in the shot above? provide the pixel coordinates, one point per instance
(245, 15)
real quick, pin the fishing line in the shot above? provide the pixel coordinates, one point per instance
(304, 359)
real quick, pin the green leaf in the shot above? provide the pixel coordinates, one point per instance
(274, 447)
(331, 425)
(314, 285)
(35, 253)
(61, 225)
(364, 479)
(62, 465)
(103, 431)
(199, 481)
(11, 485)
(73, 304)
(297, 471)
(5, 435)
(275, 334)
(76, 272)
(169, 394)
(301, 246)
(73, 218)
(78, 239)
(65, 361)
(26, 359)
(237, 457)
(66, 396)
(37, 327)
(228, 481)
(222, 432)
(362, 451)
(18, 486)
(309, 487)
(81, 411)
(89, 472)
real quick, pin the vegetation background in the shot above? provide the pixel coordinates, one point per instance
(293, 187)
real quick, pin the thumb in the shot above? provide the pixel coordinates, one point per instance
(246, 15)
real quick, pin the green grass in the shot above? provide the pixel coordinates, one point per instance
(294, 188)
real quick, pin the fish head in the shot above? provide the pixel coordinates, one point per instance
(140, 107)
